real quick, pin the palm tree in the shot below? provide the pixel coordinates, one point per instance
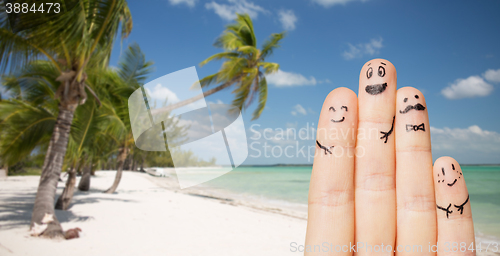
(242, 66)
(86, 140)
(131, 73)
(68, 42)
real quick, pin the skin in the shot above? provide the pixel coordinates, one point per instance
(416, 207)
(374, 179)
(388, 192)
(331, 203)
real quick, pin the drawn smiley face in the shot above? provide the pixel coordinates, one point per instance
(338, 120)
(449, 178)
(417, 106)
(378, 88)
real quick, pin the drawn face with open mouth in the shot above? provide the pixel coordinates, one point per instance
(341, 119)
(444, 176)
(375, 89)
(417, 106)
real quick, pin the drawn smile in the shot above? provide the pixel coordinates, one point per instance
(375, 89)
(338, 121)
(417, 106)
(451, 184)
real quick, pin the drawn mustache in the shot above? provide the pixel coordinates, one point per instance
(375, 89)
(417, 106)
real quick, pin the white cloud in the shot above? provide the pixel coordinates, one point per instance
(326, 81)
(357, 51)
(473, 86)
(469, 145)
(162, 93)
(298, 109)
(218, 101)
(492, 75)
(287, 19)
(189, 3)
(330, 3)
(228, 11)
(286, 79)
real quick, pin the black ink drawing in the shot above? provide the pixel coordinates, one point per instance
(375, 89)
(460, 208)
(447, 210)
(418, 106)
(411, 127)
(325, 148)
(450, 184)
(343, 118)
(386, 134)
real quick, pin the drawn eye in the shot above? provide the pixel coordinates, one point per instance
(381, 71)
(369, 73)
(332, 108)
(405, 100)
(344, 107)
(416, 96)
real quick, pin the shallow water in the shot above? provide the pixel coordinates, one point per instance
(283, 185)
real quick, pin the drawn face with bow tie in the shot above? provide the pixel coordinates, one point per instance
(412, 105)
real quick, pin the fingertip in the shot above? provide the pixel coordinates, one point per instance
(409, 92)
(445, 160)
(377, 91)
(338, 120)
(412, 121)
(387, 65)
(341, 93)
(449, 182)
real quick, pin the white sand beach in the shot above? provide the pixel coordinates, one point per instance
(143, 218)
(150, 216)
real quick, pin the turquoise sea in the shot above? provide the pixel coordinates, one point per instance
(291, 185)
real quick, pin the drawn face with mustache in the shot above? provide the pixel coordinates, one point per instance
(377, 74)
(418, 106)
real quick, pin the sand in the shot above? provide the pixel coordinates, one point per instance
(142, 218)
(150, 216)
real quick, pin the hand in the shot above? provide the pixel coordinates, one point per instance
(373, 183)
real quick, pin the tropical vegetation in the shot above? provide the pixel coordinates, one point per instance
(49, 121)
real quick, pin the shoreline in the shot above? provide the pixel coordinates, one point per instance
(151, 216)
(294, 210)
(297, 210)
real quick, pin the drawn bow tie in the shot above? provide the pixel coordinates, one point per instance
(411, 127)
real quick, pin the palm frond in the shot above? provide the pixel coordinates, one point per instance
(208, 80)
(269, 67)
(23, 131)
(218, 56)
(247, 49)
(271, 44)
(133, 67)
(262, 98)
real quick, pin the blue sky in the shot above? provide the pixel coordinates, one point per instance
(447, 49)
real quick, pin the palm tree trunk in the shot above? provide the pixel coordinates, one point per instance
(195, 98)
(65, 199)
(122, 155)
(134, 165)
(84, 184)
(45, 196)
(94, 167)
